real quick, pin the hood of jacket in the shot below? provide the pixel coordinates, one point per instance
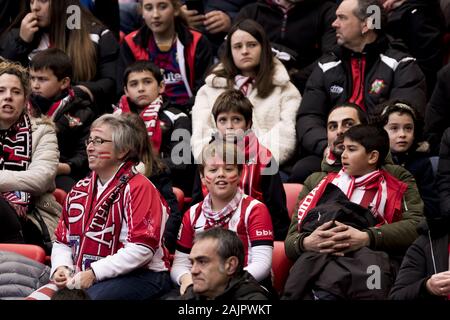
(280, 77)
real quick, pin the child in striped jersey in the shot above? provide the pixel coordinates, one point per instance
(260, 177)
(228, 207)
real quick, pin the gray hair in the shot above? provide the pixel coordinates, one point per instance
(228, 244)
(124, 136)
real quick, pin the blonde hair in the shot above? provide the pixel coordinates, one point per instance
(227, 152)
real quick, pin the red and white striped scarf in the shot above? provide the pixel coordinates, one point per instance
(245, 84)
(94, 225)
(60, 104)
(15, 155)
(150, 115)
(222, 217)
(369, 191)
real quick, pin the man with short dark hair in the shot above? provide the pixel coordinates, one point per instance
(217, 258)
(341, 118)
(366, 68)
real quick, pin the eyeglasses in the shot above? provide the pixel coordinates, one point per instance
(96, 141)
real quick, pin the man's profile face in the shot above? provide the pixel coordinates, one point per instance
(208, 272)
(339, 121)
(348, 26)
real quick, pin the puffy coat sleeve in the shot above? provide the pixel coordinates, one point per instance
(280, 140)
(437, 114)
(413, 275)
(202, 121)
(13, 48)
(40, 176)
(104, 84)
(443, 174)
(409, 84)
(398, 236)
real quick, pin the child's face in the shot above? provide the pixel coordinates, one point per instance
(356, 161)
(159, 15)
(142, 88)
(231, 125)
(44, 83)
(220, 179)
(400, 128)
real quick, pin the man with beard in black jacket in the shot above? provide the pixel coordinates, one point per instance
(366, 68)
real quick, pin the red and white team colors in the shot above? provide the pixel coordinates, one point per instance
(251, 221)
(116, 237)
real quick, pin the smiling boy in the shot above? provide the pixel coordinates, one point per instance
(227, 207)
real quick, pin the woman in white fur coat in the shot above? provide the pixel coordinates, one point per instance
(248, 64)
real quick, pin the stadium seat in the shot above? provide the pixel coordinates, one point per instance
(292, 191)
(28, 250)
(280, 266)
(180, 197)
(60, 196)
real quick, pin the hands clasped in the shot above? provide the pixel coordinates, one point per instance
(335, 238)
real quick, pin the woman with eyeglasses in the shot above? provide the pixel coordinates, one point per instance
(28, 161)
(108, 240)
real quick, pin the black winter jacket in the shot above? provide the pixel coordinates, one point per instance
(443, 174)
(73, 123)
(240, 287)
(389, 73)
(305, 29)
(102, 86)
(419, 164)
(163, 183)
(420, 24)
(437, 115)
(428, 255)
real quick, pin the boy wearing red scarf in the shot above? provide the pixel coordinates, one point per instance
(144, 89)
(260, 178)
(52, 96)
(364, 182)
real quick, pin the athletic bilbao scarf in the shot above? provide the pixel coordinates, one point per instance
(222, 217)
(98, 228)
(15, 155)
(51, 107)
(150, 117)
(370, 182)
(245, 84)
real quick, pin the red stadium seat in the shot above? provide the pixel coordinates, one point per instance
(292, 191)
(60, 196)
(28, 250)
(280, 266)
(180, 197)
